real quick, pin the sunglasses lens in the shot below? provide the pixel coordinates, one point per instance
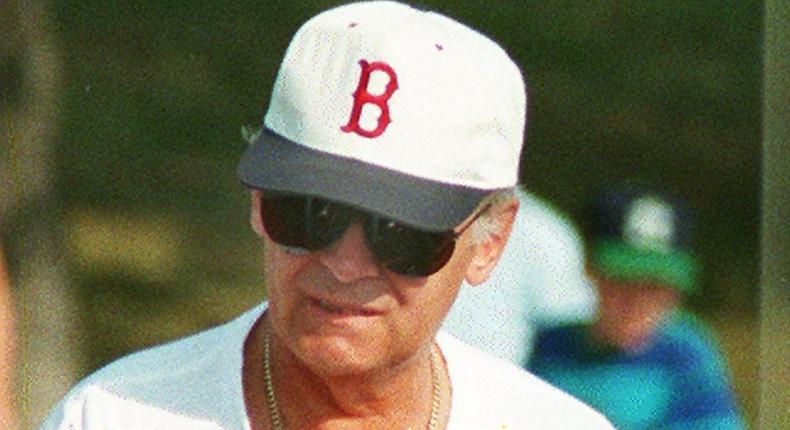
(409, 251)
(301, 222)
(314, 224)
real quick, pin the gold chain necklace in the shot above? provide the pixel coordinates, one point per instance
(274, 411)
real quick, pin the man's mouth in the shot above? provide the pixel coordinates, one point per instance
(341, 309)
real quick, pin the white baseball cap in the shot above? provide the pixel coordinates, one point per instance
(395, 110)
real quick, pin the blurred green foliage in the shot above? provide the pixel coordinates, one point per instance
(155, 93)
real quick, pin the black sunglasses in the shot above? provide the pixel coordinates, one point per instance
(313, 224)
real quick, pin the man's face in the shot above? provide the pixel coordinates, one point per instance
(342, 313)
(629, 313)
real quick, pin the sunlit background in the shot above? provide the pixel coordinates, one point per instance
(125, 225)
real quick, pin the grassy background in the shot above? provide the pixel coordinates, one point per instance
(155, 224)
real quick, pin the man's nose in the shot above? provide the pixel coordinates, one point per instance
(349, 258)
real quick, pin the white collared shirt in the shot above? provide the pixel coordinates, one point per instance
(195, 383)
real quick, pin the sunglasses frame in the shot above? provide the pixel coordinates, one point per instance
(398, 247)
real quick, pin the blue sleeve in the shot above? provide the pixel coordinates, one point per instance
(703, 398)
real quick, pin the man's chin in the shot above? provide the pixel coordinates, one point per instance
(337, 357)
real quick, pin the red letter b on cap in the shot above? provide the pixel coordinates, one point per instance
(362, 96)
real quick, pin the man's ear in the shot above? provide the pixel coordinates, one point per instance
(256, 220)
(486, 253)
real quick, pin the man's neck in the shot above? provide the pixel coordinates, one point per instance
(381, 399)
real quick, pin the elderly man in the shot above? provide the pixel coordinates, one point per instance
(382, 180)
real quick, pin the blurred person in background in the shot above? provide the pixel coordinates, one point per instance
(539, 282)
(370, 219)
(7, 349)
(645, 362)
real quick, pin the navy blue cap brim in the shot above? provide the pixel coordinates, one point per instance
(277, 164)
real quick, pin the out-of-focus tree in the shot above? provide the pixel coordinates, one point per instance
(774, 348)
(29, 72)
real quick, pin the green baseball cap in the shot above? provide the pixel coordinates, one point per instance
(643, 235)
